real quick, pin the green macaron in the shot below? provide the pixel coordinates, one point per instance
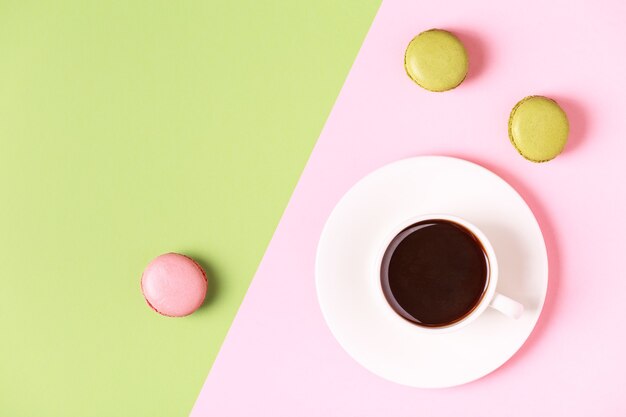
(436, 60)
(538, 128)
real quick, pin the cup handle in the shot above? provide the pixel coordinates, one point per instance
(507, 306)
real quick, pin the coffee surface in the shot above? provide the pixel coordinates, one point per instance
(434, 273)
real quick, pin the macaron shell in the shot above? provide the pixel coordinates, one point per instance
(436, 60)
(538, 128)
(174, 285)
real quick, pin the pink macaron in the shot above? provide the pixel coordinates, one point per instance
(174, 285)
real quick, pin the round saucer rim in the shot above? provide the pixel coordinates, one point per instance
(538, 309)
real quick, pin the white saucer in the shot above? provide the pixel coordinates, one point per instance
(353, 234)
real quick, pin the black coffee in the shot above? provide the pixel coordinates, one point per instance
(434, 273)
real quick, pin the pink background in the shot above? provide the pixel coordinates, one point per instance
(280, 359)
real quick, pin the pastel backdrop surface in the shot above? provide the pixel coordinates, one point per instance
(129, 129)
(280, 359)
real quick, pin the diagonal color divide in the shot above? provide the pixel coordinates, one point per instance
(279, 359)
(134, 128)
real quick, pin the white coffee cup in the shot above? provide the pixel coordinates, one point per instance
(490, 297)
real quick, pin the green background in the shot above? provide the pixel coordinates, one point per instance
(133, 128)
